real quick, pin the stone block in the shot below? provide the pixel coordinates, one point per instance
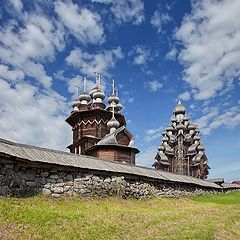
(57, 190)
(59, 180)
(9, 165)
(49, 180)
(30, 175)
(54, 176)
(44, 174)
(46, 191)
(30, 184)
(69, 177)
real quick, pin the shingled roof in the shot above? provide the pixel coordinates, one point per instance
(55, 157)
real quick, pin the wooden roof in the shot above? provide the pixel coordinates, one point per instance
(55, 157)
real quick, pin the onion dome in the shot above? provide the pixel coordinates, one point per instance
(98, 95)
(161, 148)
(180, 126)
(173, 119)
(84, 98)
(179, 109)
(75, 104)
(113, 124)
(197, 130)
(196, 137)
(201, 147)
(113, 98)
(93, 91)
(165, 138)
(185, 118)
(169, 128)
(119, 106)
(192, 126)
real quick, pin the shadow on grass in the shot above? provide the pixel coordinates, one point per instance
(220, 198)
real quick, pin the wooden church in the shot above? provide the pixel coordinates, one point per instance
(99, 130)
(181, 150)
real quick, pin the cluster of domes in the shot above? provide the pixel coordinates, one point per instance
(181, 150)
(96, 95)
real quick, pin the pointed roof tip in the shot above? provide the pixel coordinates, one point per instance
(179, 108)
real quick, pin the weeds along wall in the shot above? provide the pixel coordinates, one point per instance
(21, 178)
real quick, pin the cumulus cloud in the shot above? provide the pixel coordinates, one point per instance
(17, 4)
(185, 96)
(211, 47)
(126, 10)
(141, 54)
(159, 19)
(90, 63)
(83, 23)
(153, 86)
(35, 41)
(77, 81)
(39, 117)
(152, 134)
(213, 119)
(172, 54)
(11, 74)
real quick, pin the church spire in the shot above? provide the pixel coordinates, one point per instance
(114, 99)
(97, 93)
(84, 97)
(76, 102)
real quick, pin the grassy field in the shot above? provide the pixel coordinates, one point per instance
(205, 217)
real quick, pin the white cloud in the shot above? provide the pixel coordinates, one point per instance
(17, 4)
(185, 96)
(89, 63)
(211, 47)
(141, 55)
(192, 106)
(25, 47)
(77, 81)
(11, 74)
(159, 19)
(32, 117)
(153, 86)
(152, 134)
(172, 54)
(213, 119)
(126, 10)
(83, 23)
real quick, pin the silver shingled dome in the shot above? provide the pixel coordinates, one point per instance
(201, 147)
(84, 97)
(113, 123)
(99, 94)
(180, 108)
(75, 102)
(113, 98)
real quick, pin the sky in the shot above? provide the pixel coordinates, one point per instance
(155, 51)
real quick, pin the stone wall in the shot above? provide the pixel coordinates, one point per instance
(26, 178)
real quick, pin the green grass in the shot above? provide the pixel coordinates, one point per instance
(202, 217)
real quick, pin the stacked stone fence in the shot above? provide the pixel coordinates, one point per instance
(27, 178)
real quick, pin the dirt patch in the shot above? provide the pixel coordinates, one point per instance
(13, 231)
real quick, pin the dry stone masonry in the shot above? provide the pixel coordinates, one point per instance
(19, 179)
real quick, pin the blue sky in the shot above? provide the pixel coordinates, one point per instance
(155, 50)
